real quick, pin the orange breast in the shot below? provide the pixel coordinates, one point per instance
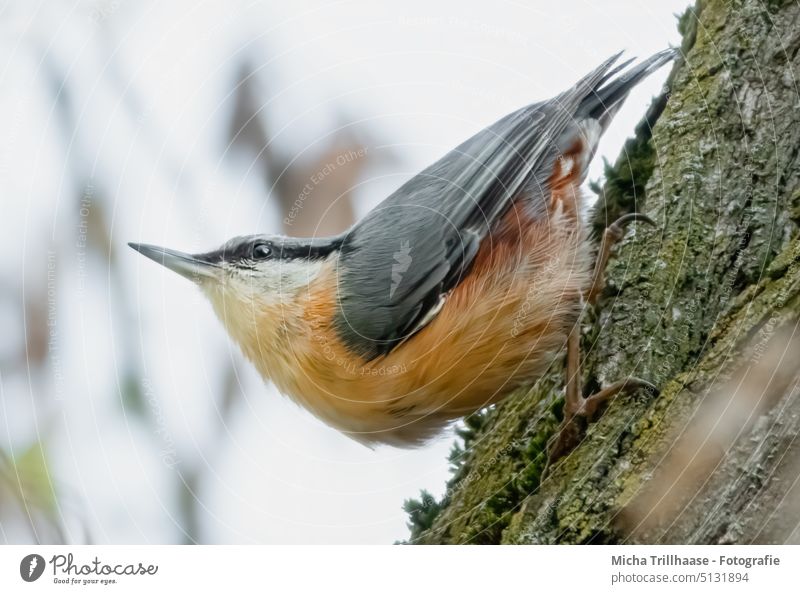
(500, 327)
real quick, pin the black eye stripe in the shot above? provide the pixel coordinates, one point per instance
(247, 252)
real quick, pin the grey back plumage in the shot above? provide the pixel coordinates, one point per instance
(397, 263)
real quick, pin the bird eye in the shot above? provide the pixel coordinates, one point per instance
(261, 251)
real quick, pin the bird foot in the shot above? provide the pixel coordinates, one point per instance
(611, 236)
(580, 411)
(579, 414)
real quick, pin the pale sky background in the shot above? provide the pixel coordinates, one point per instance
(422, 75)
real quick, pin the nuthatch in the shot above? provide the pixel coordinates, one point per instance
(461, 286)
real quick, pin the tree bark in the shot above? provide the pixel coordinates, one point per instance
(705, 307)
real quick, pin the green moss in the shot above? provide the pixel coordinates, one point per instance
(421, 513)
(528, 458)
(501, 461)
(625, 181)
(688, 21)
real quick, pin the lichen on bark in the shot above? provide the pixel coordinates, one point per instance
(716, 163)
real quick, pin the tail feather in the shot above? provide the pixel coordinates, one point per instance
(609, 93)
(614, 71)
(604, 92)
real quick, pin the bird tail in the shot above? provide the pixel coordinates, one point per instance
(611, 90)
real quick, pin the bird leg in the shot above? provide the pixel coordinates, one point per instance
(580, 411)
(611, 236)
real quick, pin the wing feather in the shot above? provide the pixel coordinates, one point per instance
(397, 263)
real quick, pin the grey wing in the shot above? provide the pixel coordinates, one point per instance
(398, 262)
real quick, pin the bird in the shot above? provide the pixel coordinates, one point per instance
(461, 286)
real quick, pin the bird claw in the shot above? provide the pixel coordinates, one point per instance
(625, 219)
(611, 236)
(580, 411)
(578, 416)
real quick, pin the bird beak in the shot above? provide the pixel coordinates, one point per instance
(195, 268)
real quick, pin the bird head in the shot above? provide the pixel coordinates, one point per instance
(249, 269)
(253, 282)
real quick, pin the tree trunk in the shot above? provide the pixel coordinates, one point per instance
(705, 307)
